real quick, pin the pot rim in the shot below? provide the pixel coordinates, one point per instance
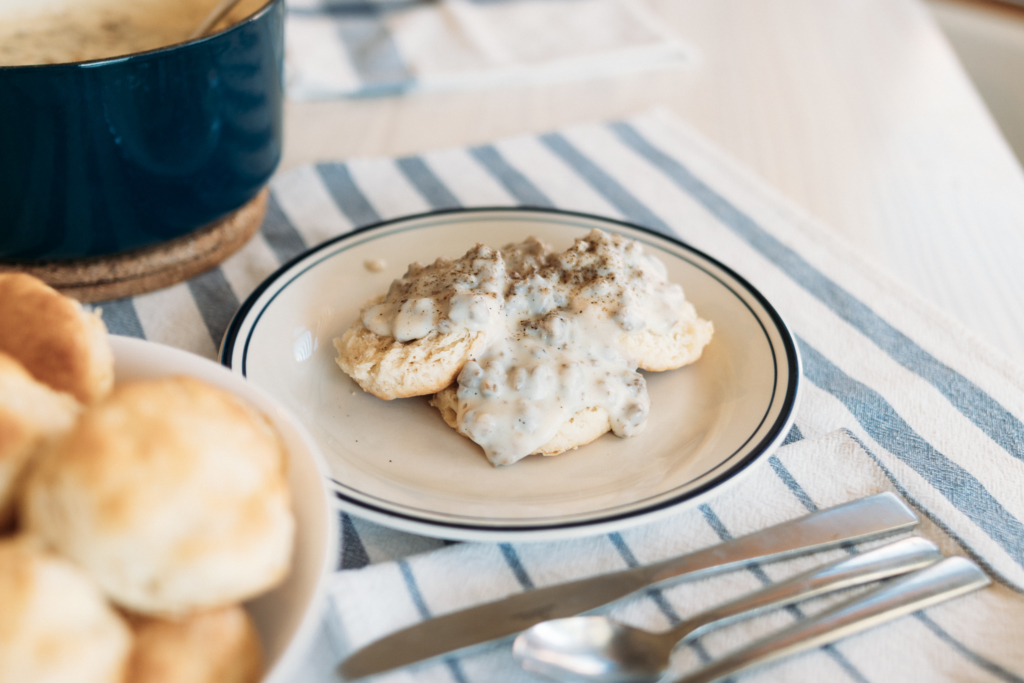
(103, 61)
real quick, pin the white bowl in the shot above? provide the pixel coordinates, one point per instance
(288, 616)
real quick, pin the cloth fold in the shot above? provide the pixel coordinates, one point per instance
(897, 396)
(344, 48)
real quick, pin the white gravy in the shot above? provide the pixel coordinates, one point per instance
(554, 325)
(61, 31)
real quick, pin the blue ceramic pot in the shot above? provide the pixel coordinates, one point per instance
(105, 156)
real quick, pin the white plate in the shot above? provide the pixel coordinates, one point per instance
(287, 617)
(398, 464)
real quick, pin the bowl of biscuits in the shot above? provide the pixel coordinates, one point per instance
(160, 518)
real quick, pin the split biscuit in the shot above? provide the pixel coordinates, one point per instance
(579, 430)
(682, 345)
(55, 624)
(391, 369)
(32, 415)
(215, 646)
(60, 343)
(172, 494)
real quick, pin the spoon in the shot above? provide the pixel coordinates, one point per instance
(595, 648)
(211, 19)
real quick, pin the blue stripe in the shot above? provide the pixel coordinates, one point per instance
(427, 183)
(811, 506)
(794, 435)
(790, 482)
(421, 606)
(844, 663)
(977, 406)
(755, 569)
(347, 196)
(353, 552)
(623, 549)
(373, 52)
(917, 505)
(794, 487)
(614, 192)
(514, 182)
(120, 317)
(282, 237)
(886, 427)
(974, 658)
(414, 589)
(895, 435)
(715, 523)
(516, 565)
(216, 301)
(347, 8)
(654, 594)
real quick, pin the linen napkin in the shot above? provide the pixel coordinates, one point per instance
(364, 48)
(938, 412)
(971, 638)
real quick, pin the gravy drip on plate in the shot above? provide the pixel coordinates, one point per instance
(554, 324)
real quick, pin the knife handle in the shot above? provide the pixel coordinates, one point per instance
(948, 579)
(870, 517)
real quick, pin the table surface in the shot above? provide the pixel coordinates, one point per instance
(856, 109)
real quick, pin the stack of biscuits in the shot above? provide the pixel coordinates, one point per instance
(134, 519)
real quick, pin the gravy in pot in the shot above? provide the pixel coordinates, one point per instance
(62, 31)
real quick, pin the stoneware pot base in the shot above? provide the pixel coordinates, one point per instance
(101, 278)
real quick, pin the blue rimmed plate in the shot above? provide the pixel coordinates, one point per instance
(398, 464)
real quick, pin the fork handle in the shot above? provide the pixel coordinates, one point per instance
(952, 577)
(894, 559)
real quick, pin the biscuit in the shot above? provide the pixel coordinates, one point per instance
(391, 369)
(59, 342)
(683, 344)
(565, 334)
(171, 493)
(582, 428)
(31, 416)
(55, 625)
(216, 646)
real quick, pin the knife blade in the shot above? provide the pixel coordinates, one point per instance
(871, 517)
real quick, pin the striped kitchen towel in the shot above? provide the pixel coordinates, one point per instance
(358, 48)
(898, 396)
(972, 638)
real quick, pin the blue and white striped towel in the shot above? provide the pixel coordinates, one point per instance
(362, 48)
(898, 397)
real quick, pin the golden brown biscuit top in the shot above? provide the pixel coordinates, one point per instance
(49, 333)
(146, 440)
(216, 646)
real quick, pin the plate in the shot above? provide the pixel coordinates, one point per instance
(288, 617)
(398, 464)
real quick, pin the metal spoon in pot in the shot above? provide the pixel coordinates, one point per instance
(211, 19)
(595, 648)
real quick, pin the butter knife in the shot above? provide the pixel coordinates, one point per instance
(870, 517)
